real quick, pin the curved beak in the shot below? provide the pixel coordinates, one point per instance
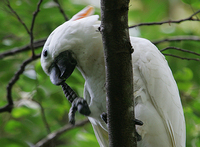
(62, 67)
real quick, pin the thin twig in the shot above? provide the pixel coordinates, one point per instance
(168, 21)
(178, 38)
(52, 142)
(9, 106)
(18, 17)
(59, 132)
(43, 116)
(179, 49)
(61, 10)
(36, 44)
(32, 26)
(30, 32)
(40, 43)
(183, 58)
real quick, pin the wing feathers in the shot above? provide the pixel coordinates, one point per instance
(101, 134)
(161, 87)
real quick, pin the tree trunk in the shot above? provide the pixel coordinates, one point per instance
(119, 74)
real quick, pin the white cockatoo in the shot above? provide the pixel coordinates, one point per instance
(78, 43)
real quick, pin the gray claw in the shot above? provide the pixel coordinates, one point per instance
(81, 105)
(104, 117)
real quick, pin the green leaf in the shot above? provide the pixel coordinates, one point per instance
(185, 74)
(21, 112)
(11, 142)
(190, 1)
(13, 127)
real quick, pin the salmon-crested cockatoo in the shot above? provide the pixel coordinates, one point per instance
(78, 43)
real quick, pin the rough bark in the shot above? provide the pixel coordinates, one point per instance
(119, 75)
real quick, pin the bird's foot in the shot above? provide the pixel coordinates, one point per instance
(77, 103)
(81, 105)
(137, 122)
(140, 123)
(104, 117)
(139, 138)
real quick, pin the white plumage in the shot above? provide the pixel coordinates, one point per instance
(157, 101)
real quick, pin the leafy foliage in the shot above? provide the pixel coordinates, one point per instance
(41, 108)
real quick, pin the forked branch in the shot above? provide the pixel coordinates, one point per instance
(9, 106)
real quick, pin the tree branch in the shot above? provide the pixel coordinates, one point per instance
(36, 44)
(30, 32)
(119, 75)
(32, 45)
(54, 135)
(18, 17)
(182, 50)
(40, 43)
(168, 21)
(61, 10)
(9, 106)
(183, 58)
(43, 116)
(179, 49)
(178, 38)
(32, 26)
(52, 142)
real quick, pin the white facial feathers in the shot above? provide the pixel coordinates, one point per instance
(71, 35)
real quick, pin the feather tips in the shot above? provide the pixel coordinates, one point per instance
(161, 88)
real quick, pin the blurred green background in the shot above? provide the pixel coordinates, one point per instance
(34, 96)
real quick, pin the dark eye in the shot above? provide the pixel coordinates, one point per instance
(45, 53)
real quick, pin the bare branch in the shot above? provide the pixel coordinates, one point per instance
(15, 78)
(30, 32)
(44, 119)
(59, 132)
(178, 38)
(43, 116)
(179, 49)
(183, 58)
(36, 44)
(9, 106)
(169, 21)
(195, 14)
(15, 13)
(32, 26)
(61, 10)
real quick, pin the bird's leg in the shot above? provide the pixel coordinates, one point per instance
(69, 93)
(77, 103)
(137, 122)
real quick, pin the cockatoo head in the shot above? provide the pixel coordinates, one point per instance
(66, 43)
